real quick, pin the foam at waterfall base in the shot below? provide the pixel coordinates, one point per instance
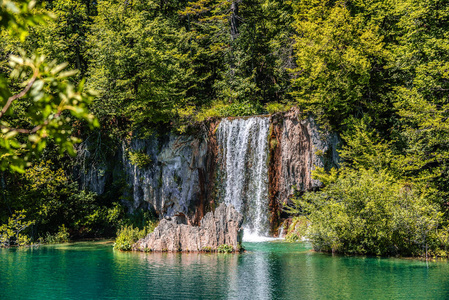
(253, 237)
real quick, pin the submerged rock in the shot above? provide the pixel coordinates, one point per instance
(222, 227)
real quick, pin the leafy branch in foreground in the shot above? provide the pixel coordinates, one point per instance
(11, 232)
(47, 100)
(16, 16)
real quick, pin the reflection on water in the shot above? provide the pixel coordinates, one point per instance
(254, 282)
(270, 270)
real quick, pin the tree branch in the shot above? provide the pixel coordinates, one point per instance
(19, 95)
(35, 129)
(19, 130)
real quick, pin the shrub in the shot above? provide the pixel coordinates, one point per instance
(235, 109)
(274, 107)
(244, 108)
(206, 249)
(297, 229)
(139, 158)
(11, 233)
(224, 248)
(127, 236)
(369, 212)
(62, 236)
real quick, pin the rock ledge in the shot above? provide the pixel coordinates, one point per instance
(222, 227)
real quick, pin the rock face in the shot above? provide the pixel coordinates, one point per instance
(170, 183)
(297, 147)
(224, 226)
(254, 163)
(303, 147)
(174, 181)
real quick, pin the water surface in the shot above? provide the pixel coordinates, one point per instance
(270, 270)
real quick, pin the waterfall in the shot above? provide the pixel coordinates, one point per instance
(243, 175)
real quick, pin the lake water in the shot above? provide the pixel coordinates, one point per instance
(270, 270)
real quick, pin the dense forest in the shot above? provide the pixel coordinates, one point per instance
(375, 72)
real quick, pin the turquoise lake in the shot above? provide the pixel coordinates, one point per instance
(269, 270)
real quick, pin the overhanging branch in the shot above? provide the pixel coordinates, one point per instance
(19, 95)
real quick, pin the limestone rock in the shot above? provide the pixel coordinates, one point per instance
(224, 226)
(186, 173)
(173, 182)
(303, 147)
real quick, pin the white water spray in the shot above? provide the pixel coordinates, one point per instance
(243, 145)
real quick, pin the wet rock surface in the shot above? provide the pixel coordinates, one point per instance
(170, 183)
(224, 226)
(303, 147)
(173, 181)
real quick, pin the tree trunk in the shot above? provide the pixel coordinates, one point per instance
(234, 20)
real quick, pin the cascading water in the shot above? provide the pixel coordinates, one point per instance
(243, 146)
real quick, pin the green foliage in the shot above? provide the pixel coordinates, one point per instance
(365, 149)
(336, 49)
(236, 109)
(239, 54)
(152, 224)
(129, 235)
(62, 236)
(369, 212)
(275, 107)
(65, 38)
(16, 16)
(45, 102)
(49, 101)
(297, 229)
(273, 143)
(377, 72)
(12, 232)
(240, 109)
(136, 226)
(224, 248)
(136, 62)
(139, 158)
(207, 249)
(52, 199)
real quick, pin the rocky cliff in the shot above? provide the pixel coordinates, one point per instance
(254, 163)
(173, 178)
(297, 147)
(222, 227)
(302, 148)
